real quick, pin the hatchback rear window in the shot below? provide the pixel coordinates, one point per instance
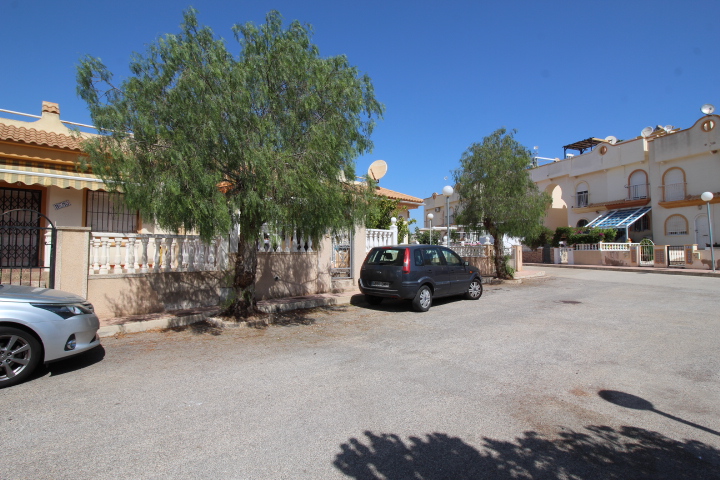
(387, 256)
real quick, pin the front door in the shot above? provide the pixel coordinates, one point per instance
(702, 232)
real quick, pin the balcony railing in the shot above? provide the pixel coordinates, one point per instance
(637, 192)
(673, 192)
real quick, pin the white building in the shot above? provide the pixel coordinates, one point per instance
(646, 187)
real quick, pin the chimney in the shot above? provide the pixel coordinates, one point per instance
(50, 120)
(50, 108)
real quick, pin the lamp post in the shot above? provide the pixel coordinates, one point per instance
(430, 217)
(706, 197)
(447, 191)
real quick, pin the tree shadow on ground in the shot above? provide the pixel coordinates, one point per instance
(597, 452)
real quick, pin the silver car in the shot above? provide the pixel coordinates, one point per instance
(41, 325)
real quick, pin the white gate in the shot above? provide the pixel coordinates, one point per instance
(647, 254)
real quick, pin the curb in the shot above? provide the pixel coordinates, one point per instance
(145, 325)
(300, 304)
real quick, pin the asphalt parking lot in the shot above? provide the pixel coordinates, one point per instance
(580, 374)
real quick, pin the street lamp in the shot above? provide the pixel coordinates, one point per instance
(447, 191)
(430, 217)
(706, 197)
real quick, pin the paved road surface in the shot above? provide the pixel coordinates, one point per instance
(582, 374)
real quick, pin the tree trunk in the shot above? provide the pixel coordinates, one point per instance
(498, 250)
(500, 256)
(244, 304)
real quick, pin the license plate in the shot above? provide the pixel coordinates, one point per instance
(380, 284)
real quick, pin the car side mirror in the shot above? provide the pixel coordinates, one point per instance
(466, 263)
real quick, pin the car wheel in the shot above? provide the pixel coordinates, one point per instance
(423, 299)
(19, 355)
(373, 300)
(475, 290)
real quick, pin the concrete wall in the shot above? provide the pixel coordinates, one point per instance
(588, 257)
(133, 294)
(72, 255)
(618, 259)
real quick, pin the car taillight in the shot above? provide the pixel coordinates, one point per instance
(406, 261)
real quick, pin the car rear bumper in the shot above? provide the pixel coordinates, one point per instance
(406, 291)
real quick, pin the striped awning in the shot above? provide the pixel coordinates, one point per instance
(31, 173)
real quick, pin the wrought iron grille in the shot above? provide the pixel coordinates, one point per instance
(676, 255)
(19, 231)
(26, 246)
(106, 212)
(341, 255)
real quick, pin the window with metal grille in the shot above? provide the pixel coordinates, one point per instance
(676, 225)
(581, 197)
(106, 212)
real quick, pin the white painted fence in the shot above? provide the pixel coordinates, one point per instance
(285, 243)
(380, 238)
(605, 247)
(477, 251)
(118, 253)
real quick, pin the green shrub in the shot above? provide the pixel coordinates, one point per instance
(544, 237)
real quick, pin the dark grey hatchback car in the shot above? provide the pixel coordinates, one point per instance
(418, 273)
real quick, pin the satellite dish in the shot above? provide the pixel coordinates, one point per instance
(611, 140)
(647, 131)
(377, 169)
(668, 128)
(707, 109)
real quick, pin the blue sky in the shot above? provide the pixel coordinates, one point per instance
(449, 72)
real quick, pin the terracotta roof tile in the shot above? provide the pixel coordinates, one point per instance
(38, 137)
(397, 195)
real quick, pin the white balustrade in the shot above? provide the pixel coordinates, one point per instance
(605, 247)
(378, 238)
(474, 251)
(293, 242)
(123, 253)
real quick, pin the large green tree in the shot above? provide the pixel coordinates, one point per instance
(496, 192)
(201, 139)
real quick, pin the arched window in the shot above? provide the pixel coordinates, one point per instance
(581, 195)
(674, 185)
(637, 185)
(581, 223)
(676, 225)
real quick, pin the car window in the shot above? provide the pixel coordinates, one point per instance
(451, 258)
(386, 256)
(419, 262)
(431, 256)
